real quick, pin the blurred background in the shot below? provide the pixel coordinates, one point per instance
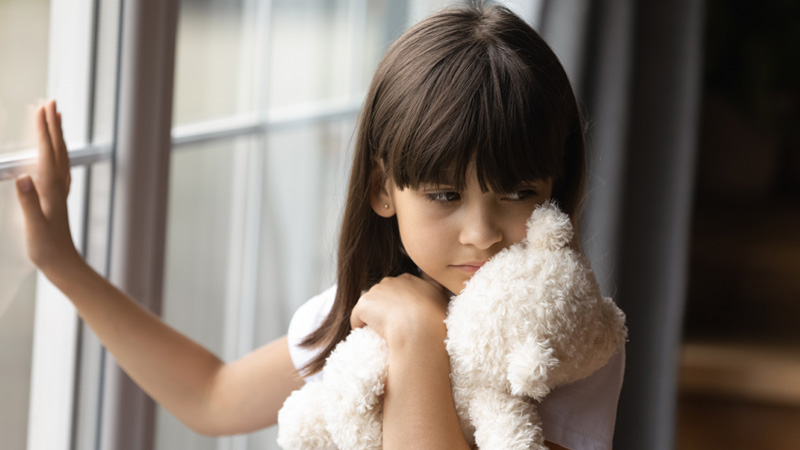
(692, 215)
(740, 370)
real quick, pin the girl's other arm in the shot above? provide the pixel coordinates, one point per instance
(188, 380)
(418, 410)
(207, 395)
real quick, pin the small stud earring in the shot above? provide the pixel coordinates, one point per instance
(385, 206)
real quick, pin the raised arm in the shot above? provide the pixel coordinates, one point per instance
(206, 394)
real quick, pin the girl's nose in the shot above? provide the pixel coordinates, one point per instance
(480, 228)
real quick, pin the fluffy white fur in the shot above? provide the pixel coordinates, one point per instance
(531, 319)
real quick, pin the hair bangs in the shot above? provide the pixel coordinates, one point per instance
(479, 103)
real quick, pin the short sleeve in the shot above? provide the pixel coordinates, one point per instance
(305, 321)
(582, 415)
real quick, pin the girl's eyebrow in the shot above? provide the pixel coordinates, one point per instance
(532, 185)
(437, 187)
(528, 184)
(433, 185)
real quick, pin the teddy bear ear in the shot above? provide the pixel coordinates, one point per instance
(549, 228)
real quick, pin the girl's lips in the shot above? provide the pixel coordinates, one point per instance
(471, 266)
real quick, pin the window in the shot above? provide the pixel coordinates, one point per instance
(19, 20)
(265, 99)
(41, 335)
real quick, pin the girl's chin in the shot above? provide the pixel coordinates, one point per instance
(433, 281)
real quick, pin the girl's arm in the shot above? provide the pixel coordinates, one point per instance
(418, 411)
(207, 395)
(200, 390)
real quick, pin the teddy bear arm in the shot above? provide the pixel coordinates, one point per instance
(505, 422)
(301, 420)
(343, 409)
(530, 368)
(355, 377)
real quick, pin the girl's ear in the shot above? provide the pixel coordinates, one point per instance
(380, 197)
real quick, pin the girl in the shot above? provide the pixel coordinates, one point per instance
(469, 124)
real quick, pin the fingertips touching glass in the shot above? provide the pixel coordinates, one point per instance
(44, 198)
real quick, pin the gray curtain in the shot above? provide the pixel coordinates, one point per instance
(637, 68)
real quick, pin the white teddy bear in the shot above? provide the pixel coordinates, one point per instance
(531, 319)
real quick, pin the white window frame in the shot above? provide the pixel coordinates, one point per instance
(55, 342)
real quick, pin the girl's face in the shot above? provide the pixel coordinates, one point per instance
(449, 234)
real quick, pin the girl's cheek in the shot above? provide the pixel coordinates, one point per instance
(520, 228)
(436, 212)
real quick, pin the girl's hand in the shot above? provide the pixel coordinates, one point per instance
(44, 199)
(403, 308)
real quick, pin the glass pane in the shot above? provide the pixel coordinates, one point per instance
(419, 9)
(215, 60)
(305, 178)
(21, 396)
(311, 52)
(203, 226)
(24, 33)
(17, 293)
(99, 215)
(106, 70)
(305, 175)
(385, 21)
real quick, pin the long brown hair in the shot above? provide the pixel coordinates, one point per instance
(470, 83)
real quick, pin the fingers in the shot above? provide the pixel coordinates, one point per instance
(46, 160)
(56, 133)
(355, 315)
(29, 200)
(52, 158)
(62, 145)
(69, 180)
(356, 322)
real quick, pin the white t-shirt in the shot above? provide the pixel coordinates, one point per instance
(577, 416)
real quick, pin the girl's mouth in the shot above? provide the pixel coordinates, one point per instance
(471, 266)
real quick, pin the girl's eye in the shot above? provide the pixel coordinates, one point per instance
(443, 197)
(520, 195)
